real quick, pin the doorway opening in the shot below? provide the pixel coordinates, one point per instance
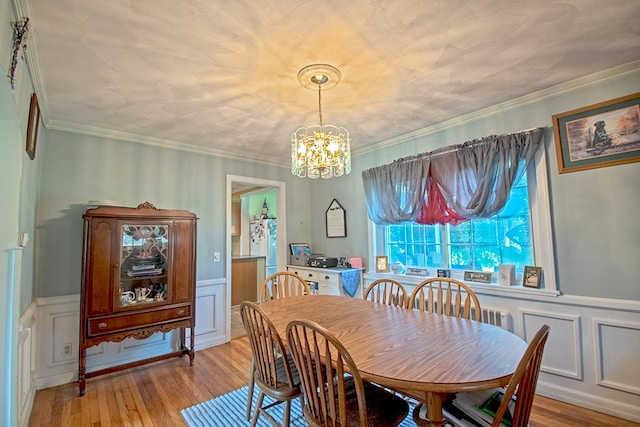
(241, 224)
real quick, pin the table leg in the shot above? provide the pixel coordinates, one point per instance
(434, 407)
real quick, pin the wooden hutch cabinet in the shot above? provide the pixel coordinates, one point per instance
(138, 278)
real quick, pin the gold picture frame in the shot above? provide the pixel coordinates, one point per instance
(32, 128)
(598, 135)
(382, 264)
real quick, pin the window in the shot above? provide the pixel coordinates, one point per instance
(479, 245)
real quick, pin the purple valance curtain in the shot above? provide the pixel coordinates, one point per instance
(450, 185)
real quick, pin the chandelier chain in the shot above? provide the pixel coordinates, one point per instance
(320, 103)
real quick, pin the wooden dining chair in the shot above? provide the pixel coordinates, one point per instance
(282, 284)
(443, 295)
(335, 394)
(274, 371)
(387, 291)
(522, 385)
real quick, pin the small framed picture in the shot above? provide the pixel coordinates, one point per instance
(532, 276)
(382, 264)
(32, 129)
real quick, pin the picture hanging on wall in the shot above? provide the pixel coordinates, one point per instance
(598, 135)
(336, 218)
(32, 128)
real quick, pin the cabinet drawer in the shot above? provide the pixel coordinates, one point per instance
(110, 324)
(328, 288)
(319, 276)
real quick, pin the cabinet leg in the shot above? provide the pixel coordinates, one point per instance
(82, 380)
(192, 353)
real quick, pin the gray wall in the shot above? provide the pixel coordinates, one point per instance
(79, 168)
(594, 212)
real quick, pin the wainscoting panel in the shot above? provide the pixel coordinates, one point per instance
(26, 365)
(563, 351)
(591, 357)
(614, 368)
(210, 313)
(56, 356)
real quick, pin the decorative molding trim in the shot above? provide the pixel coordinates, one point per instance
(606, 363)
(570, 352)
(57, 325)
(538, 96)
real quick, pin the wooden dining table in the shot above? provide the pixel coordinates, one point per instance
(430, 356)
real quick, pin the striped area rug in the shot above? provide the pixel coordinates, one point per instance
(228, 411)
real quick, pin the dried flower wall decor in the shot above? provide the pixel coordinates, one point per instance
(19, 31)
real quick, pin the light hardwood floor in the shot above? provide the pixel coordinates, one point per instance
(153, 395)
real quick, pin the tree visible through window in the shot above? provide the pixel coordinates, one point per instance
(479, 245)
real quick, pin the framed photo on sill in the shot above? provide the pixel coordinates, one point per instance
(598, 135)
(382, 264)
(532, 276)
(32, 127)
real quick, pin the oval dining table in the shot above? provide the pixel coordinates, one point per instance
(430, 356)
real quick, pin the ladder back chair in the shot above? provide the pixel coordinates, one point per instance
(387, 291)
(273, 369)
(517, 400)
(335, 394)
(523, 382)
(443, 295)
(283, 284)
(278, 285)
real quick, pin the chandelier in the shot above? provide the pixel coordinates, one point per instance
(320, 150)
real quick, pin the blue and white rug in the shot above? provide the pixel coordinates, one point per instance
(228, 411)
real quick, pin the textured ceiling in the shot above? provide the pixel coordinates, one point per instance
(221, 75)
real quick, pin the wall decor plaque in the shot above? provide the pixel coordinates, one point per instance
(336, 218)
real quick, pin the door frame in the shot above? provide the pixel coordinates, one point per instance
(281, 239)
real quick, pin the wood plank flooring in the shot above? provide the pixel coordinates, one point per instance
(153, 395)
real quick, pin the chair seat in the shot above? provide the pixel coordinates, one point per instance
(284, 391)
(383, 408)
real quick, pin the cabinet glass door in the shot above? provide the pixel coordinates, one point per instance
(143, 264)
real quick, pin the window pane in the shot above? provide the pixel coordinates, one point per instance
(480, 244)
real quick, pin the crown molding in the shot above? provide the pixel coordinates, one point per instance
(531, 98)
(157, 142)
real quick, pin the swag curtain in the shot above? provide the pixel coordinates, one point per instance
(451, 185)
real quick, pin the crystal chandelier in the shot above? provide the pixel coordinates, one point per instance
(320, 150)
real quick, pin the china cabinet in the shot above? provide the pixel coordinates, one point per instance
(138, 278)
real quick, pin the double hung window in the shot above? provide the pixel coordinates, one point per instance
(477, 244)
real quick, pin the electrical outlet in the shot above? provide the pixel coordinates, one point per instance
(66, 349)
(216, 256)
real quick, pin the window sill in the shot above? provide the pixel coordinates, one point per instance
(479, 288)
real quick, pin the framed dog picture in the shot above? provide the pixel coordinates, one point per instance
(598, 135)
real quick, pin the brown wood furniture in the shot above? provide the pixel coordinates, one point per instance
(523, 382)
(443, 295)
(283, 284)
(430, 354)
(331, 396)
(247, 274)
(138, 278)
(387, 291)
(274, 371)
